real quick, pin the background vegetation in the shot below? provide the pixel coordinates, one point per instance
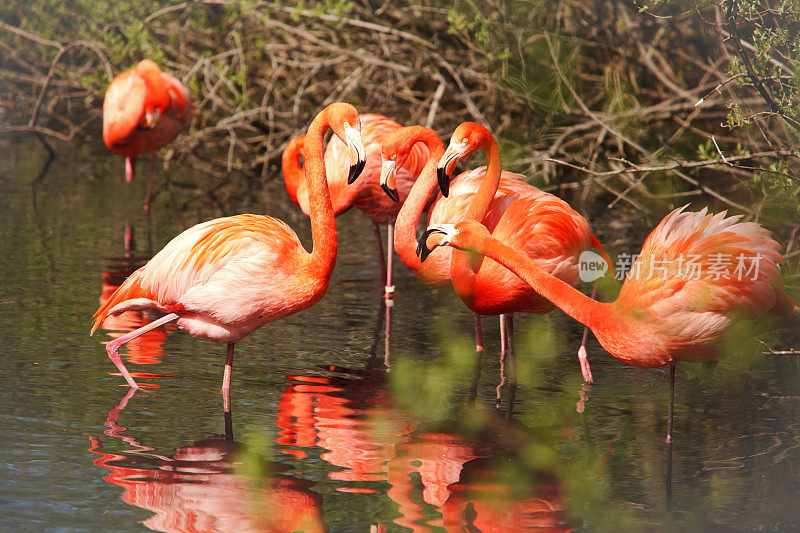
(619, 103)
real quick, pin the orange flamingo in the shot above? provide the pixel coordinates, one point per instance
(365, 195)
(395, 149)
(696, 275)
(225, 278)
(144, 109)
(543, 226)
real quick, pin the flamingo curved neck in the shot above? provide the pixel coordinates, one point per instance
(464, 265)
(405, 240)
(589, 312)
(323, 225)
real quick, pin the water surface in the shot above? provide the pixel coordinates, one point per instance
(321, 436)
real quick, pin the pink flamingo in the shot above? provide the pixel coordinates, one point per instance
(227, 277)
(545, 227)
(144, 109)
(665, 313)
(366, 194)
(395, 149)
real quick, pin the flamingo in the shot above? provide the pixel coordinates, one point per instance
(224, 278)
(365, 195)
(666, 311)
(394, 151)
(144, 109)
(545, 227)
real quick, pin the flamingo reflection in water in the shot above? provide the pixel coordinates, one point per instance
(351, 414)
(196, 489)
(486, 499)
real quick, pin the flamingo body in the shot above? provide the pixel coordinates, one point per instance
(663, 315)
(226, 278)
(144, 109)
(534, 222)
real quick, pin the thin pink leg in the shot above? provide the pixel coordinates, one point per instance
(388, 290)
(113, 346)
(381, 260)
(387, 338)
(583, 358)
(226, 378)
(478, 334)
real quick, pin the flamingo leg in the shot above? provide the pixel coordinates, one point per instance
(671, 403)
(669, 436)
(473, 391)
(388, 290)
(113, 346)
(583, 358)
(387, 338)
(226, 378)
(381, 260)
(512, 366)
(503, 351)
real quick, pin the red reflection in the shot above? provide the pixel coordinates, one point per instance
(196, 490)
(148, 348)
(488, 500)
(351, 418)
(356, 421)
(437, 458)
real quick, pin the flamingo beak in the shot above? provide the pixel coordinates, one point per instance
(423, 251)
(388, 175)
(446, 166)
(355, 148)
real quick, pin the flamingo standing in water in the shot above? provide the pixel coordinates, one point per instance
(543, 226)
(395, 149)
(366, 194)
(696, 275)
(144, 109)
(225, 278)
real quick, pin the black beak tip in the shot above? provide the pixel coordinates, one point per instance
(422, 245)
(355, 171)
(444, 181)
(391, 193)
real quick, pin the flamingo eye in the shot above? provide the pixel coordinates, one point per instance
(394, 156)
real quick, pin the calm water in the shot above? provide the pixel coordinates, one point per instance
(321, 436)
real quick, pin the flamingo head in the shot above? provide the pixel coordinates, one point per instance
(157, 97)
(346, 125)
(466, 138)
(466, 235)
(394, 152)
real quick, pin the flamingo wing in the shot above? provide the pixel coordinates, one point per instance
(697, 270)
